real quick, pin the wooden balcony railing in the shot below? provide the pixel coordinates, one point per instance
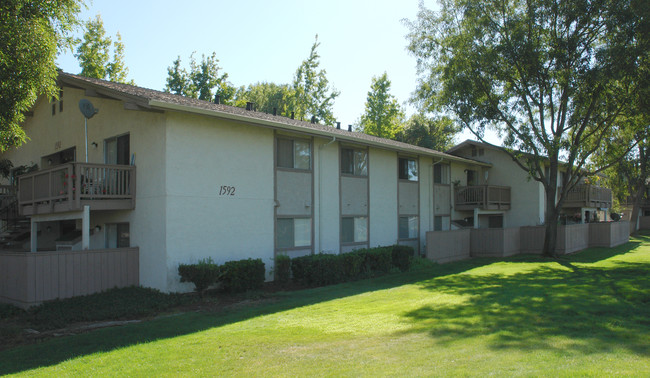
(588, 196)
(71, 186)
(485, 197)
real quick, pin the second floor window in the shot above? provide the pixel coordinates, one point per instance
(408, 169)
(295, 154)
(441, 174)
(354, 162)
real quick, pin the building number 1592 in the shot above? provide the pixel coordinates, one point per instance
(225, 190)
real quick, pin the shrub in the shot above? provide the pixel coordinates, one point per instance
(402, 256)
(202, 275)
(282, 269)
(114, 304)
(317, 270)
(377, 260)
(243, 275)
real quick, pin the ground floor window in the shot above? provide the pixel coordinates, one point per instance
(408, 227)
(293, 232)
(440, 223)
(354, 229)
(118, 235)
(495, 221)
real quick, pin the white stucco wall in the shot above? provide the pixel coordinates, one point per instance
(383, 197)
(204, 154)
(326, 196)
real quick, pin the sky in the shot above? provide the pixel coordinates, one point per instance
(266, 41)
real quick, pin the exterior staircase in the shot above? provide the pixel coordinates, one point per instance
(15, 229)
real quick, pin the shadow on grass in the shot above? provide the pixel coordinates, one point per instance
(596, 308)
(55, 351)
(582, 309)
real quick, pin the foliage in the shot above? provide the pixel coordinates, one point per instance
(282, 269)
(202, 81)
(327, 269)
(5, 168)
(266, 97)
(8, 311)
(436, 133)
(202, 275)
(31, 34)
(313, 96)
(240, 276)
(552, 78)
(93, 53)
(402, 255)
(114, 304)
(383, 115)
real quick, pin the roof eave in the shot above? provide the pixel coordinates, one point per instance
(315, 132)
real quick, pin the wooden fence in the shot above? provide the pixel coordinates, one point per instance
(30, 278)
(446, 246)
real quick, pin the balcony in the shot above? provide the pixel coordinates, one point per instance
(484, 197)
(588, 196)
(70, 187)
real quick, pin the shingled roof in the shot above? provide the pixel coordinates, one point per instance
(149, 99)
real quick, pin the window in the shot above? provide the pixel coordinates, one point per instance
(295, 154)
(117, 150)
(408, 228)
(117, 235)
(408, 169)
(354, 162)
(495, 221)
(293, 232)
(354, 229)
(472, 178)
(437, 223)
(441, 174)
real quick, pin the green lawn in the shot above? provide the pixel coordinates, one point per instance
(587, 314)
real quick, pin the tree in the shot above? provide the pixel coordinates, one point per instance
(313, 96)
(434, 133)
(31, 33)
(383, 115)
(93, 53)
(266, 96)
(203, 81)
(552, 77)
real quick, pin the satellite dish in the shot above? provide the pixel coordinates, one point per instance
(87, 108)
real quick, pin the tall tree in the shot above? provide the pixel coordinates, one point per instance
(31, 33)
(266, 96)
(313, 96)
(203, 81)
(383, 116)
(434, 133)
(94, 50)
(552, 77)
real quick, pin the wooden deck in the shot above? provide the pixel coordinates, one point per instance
(69, 187)
(588, 196)
(485, 197)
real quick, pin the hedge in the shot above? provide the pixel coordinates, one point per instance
(326, 269)
(235, 276)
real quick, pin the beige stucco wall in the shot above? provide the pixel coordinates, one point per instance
(49, 134)
(526, 195)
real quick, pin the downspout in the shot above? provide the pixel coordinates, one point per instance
(320, 193)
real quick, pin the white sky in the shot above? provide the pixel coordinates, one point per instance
(266, 41)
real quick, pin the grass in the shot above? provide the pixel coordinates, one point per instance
(585, 314)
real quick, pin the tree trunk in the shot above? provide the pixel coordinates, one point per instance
(550, 237)
(636, 206)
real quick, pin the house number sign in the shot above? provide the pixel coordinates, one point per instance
(225, 190)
